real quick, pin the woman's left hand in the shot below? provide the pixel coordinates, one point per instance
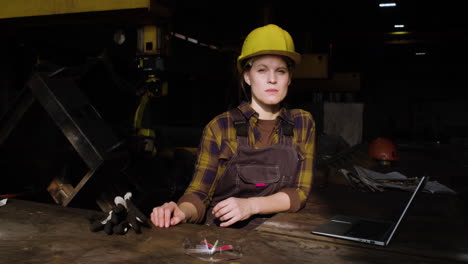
(232, 210)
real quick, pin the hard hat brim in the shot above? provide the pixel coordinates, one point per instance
(296, 57)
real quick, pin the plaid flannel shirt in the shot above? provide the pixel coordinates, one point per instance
(219, 143)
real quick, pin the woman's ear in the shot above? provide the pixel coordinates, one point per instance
(246, 78)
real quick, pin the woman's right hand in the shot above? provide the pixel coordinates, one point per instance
(167, 215)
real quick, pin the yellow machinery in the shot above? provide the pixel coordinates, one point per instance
(28, 8)
(151, 63)
(144, 15)
(149, 42)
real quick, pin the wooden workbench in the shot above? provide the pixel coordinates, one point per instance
(33, 232)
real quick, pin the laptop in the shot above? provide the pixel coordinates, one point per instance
(365, 230)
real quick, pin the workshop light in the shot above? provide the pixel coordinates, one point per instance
(178, 35)
(399, 26)
(387, 4)
(399, 33)
(192, 40)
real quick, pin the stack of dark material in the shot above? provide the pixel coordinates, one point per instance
(364, 182)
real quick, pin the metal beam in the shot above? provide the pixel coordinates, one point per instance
(29, 8)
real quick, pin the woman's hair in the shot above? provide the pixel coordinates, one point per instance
(245, 90)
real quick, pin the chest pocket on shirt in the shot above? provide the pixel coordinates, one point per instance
(257, 179)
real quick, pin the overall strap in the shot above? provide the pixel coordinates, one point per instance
(241, 125)
(287, 130)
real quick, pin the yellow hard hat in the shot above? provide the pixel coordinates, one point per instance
(269, 39)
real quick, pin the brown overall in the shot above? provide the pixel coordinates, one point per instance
(256, 172)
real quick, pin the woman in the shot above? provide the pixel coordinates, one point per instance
(255, 160)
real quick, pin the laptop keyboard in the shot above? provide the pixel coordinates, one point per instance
(368, 229)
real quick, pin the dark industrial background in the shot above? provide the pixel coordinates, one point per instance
(411, 85)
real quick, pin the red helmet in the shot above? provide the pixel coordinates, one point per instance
(383, 149)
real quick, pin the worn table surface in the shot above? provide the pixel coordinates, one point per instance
(32, 232)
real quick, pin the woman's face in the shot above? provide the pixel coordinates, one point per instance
(269, 79)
